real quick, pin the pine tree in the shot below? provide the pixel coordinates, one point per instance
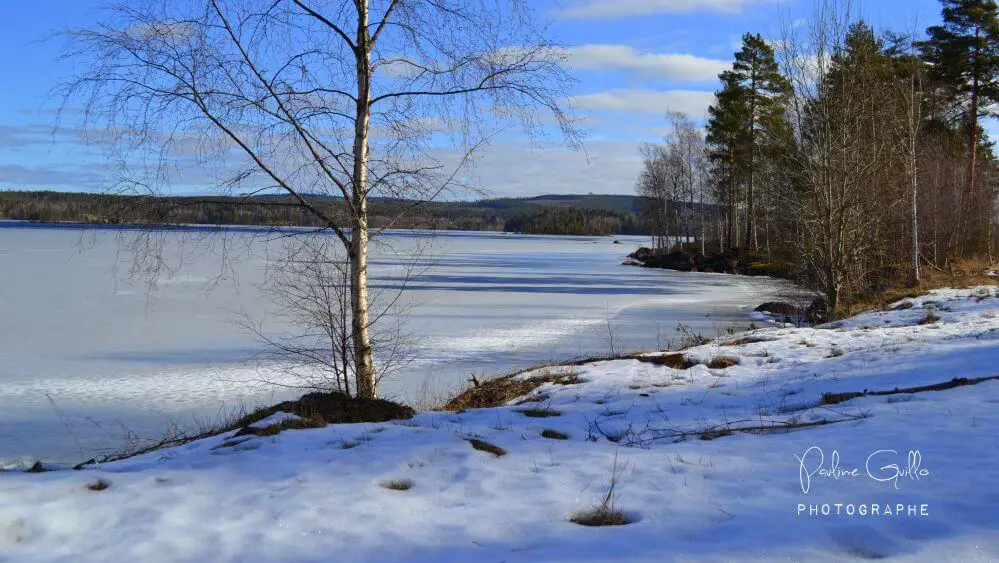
(749, 113)
(963, 54)
(727, 141)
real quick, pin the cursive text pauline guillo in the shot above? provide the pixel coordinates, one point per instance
(882, 465)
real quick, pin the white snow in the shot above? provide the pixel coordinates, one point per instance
(316, 495)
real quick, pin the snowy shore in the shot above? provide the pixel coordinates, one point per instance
(873, 437)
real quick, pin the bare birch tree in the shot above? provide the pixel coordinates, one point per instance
(840, 103)
(673, 180)
(908, 82)
(347, 100)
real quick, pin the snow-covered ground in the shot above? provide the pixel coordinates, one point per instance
(925, 461)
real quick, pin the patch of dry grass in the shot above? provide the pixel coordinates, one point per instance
(606, 513)
(332, 408)
(929, 319)
(98, 485)
(554, 434)
(746, 340)
(484, 446)
(957, 274)
(397, 484)
(501, 390)
(278, 427)
(600, 516)
(722, 363)
(674, 361)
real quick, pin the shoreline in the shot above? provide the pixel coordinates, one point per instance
(708, 439)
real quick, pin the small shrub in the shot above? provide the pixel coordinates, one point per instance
(397, 484)
(835, 353)
(554, 434)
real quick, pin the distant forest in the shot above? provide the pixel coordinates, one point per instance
(550, 214)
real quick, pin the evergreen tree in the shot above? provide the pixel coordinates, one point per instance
(963, 54)
(750, 113)
(726, 139)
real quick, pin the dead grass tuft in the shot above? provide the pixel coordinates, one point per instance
(554, 434)
(98, 485)
(397, 484)
(484, 446)
(600, 516)
(606, 513)
(722, 363)
(929, 319)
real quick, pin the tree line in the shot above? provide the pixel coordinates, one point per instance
(570, 221)
(512, 216)
(856, 156)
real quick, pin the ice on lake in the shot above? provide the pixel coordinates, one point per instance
(89, 355)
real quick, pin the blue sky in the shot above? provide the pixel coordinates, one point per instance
(634, 59)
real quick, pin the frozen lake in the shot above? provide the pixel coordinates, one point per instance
(86, 355)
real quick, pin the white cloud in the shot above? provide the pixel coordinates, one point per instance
(515, 169)
(611, 9)
(675, 66)
(654, 102)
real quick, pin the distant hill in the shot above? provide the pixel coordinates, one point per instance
(549, 214)
(616, 203)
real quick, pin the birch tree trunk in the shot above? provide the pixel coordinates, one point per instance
(363, 356)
